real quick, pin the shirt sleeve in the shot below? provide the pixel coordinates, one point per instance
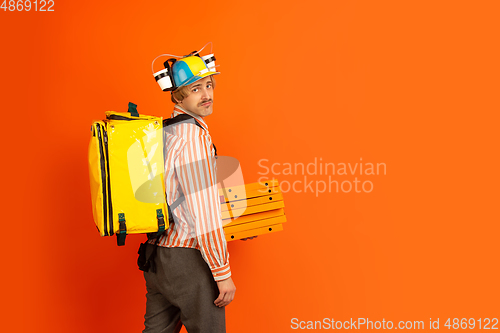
(196, 171)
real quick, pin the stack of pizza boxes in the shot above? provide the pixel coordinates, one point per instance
(252, 209)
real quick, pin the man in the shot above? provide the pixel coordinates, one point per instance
(192, 283)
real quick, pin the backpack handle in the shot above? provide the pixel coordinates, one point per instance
(132, 108)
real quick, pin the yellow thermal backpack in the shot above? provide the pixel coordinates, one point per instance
(126, 175)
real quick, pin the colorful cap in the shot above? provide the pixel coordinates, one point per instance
(190, 69)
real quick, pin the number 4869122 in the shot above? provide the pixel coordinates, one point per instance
(470, 323)
(27, 5)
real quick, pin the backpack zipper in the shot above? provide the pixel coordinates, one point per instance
(103, 180)
(110, 210)
(117, 117)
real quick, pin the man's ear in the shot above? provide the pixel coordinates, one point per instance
(174, 100)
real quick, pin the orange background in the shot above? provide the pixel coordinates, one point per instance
(413, 85)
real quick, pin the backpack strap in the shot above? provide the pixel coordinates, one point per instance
(121, 235)
(186, 118)
(180, 118)
(161, 224)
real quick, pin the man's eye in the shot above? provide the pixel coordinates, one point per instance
(195, 90)
(209, 85)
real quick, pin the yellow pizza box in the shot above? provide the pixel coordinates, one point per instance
(252, 209)
(247, 191)
(254, 232)
(254, 217)
(230, 228)
(226, 206)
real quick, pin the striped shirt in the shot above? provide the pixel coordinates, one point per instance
(190, 169)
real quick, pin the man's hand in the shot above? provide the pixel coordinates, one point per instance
(244, 239)
(227, 290)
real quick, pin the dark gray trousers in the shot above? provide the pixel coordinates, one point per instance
(181, 292)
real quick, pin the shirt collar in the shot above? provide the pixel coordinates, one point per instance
(179, 110)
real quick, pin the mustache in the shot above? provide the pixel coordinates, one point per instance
(199, 104)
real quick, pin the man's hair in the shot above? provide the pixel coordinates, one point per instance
(180, 93)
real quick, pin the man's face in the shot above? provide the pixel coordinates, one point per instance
(200, 98)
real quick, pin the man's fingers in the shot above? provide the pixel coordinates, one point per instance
(224, 299)
(220, 299)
